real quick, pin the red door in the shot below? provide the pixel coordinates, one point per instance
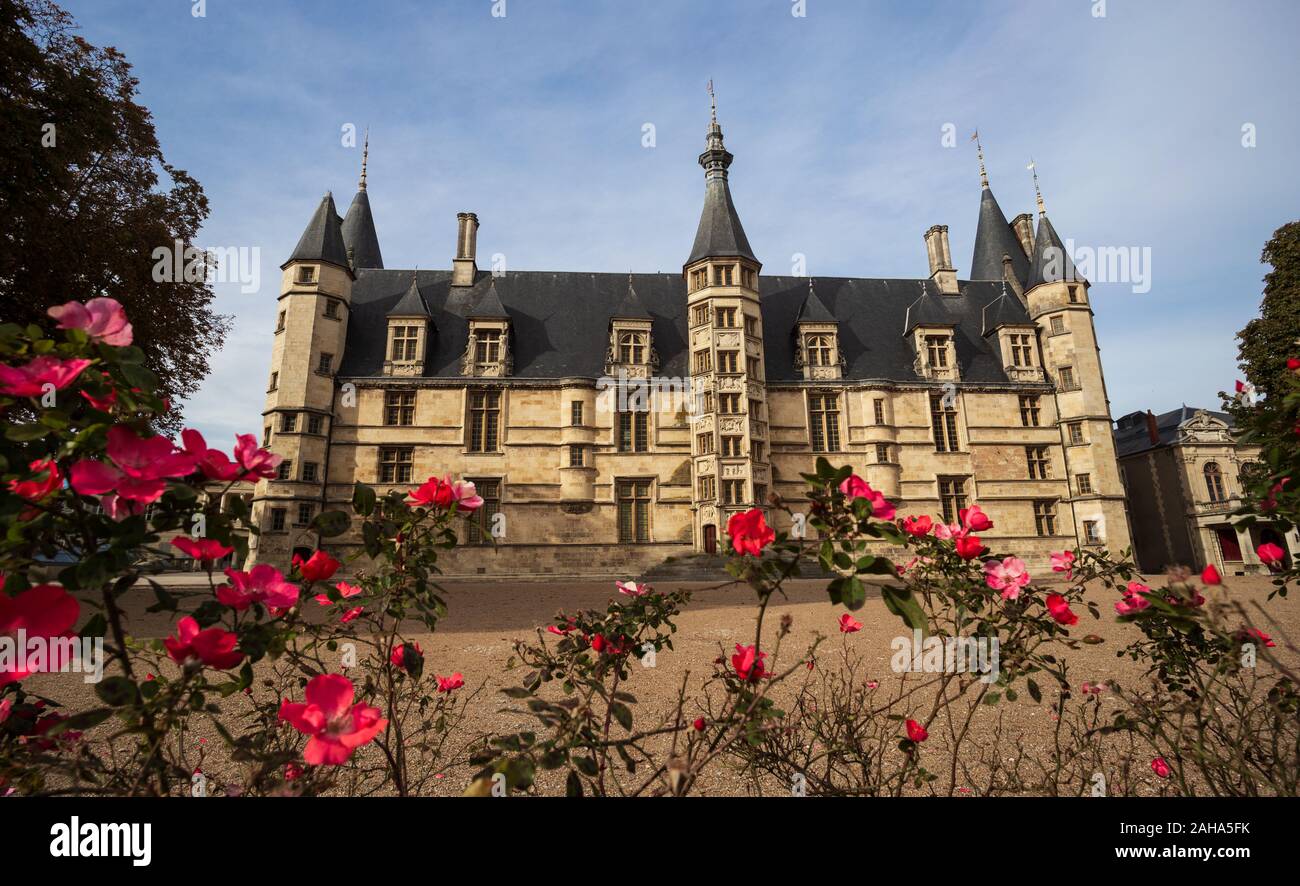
(1228, 544)
(710, 539)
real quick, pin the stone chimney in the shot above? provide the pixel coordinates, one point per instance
(1023, 225)
(464, 267)
(940, 256)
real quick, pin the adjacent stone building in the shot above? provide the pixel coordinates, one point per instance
(1182, 470)
(940, 390)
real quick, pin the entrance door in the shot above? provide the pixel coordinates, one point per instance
(1228, 544)
(710, 539)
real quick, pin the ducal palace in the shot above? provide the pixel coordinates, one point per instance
(942, 390)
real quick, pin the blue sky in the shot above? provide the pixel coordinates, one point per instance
(534, 120)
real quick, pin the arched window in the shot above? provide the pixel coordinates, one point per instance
(1214, 482)
(631, 348)
(819, 350)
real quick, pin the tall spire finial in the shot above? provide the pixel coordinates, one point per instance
(979, 149)
(365, 156)
(1042, 210)
(715, 158)
(713, 104)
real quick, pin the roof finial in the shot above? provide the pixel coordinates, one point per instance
(979, 149)
(1042, 210)
(365, 156)
(713, 104)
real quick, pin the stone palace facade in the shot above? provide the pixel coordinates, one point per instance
(940, 391)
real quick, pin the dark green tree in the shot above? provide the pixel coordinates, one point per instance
(86, 195)
(1270, 339)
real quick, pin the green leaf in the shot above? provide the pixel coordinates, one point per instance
(573, 785)
(329, 523)
(26, 433)
(117, 691)
(1034, 692)
(363, 500)
(623, 714)
(902, 602)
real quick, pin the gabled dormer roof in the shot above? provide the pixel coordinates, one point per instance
(813, 309)
(631, 307)
(1051, 264)
(323, 238)
(1005, 310)
(488, 306)
(928, 310)
(410, 304)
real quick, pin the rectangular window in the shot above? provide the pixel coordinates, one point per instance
(304, 514)
(722, 275)
(756, 451)
(733, 492)
(326, 364)
(1045, 517)
(729, 404)
(489, 346)
(937, 347)
(633, 511)
(704, 444)
(633, 432)
(699, 313)
(751, 326)
(703, 361)
(405, 340)
(307, 274)
(730, 447)
(882, 453)
(279, 518)
(952, 497)
(707, 489)
(756, 410)
(944, 420)
(395, 464)
(1074, 295)
(1074, 431)
(1084, 483)
(485, 421)
(751, 367)
(575, 413)
(1058, 325)
(760, 494)
(1091, 532)
(309, 471)
(726, 318)
(332, 308)
(288, 422)
(747, 277)
(279, 322)
(266, 436)
(1067, 379)
(1029, 412)
(399, 408)
(284, 470)
(879, 407)
(275, 381)
(315, 423)
(727, 361)
(704, 402)
(824, 413)
(481, 521)
(1040, 466)
(576, 456)
(1022, 349)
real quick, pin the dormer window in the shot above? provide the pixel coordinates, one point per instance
(819, 351)
(489, 346)
(406, 342)
(306, 273)
(936, 347)
(631, 347)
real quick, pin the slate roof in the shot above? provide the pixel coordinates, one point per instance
(631, 307)
(560, 322)
(813, 311)
(411, 304)
(323, 238)
(1050, 267)
(359, 233)
(994, 238)
(720, 232)
(1132, 435)
(1003, 310)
